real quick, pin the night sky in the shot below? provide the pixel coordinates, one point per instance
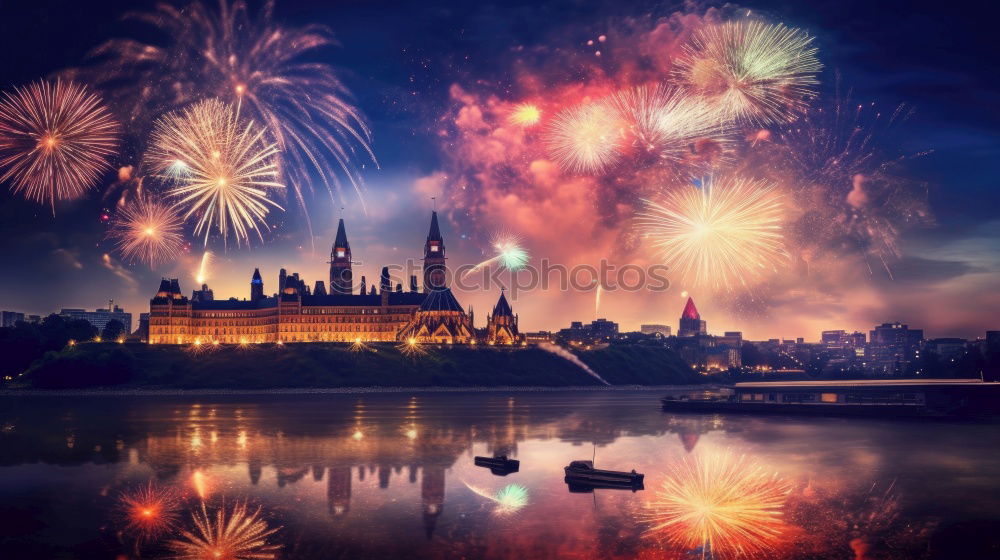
(406, 65)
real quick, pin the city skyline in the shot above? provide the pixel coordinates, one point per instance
(419, 94)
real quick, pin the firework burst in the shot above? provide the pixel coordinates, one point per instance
(676, 128)
(725, 505)
(236, 533)
(149, 512)
(508, 253)
(586, 139)
(219, 168)
(55, 140)
(509, 499)
(259, 66)
(726, 234)
(855, 194)
(525, 115)
(147, 230)
(753, 72)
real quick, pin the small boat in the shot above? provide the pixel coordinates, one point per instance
(581, 476)
(499, 465)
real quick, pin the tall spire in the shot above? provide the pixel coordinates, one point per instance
(690, 311)
(256, 286)
(341, 276)
(435, 274)
(502, 308)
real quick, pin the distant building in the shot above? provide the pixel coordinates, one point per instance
(947, 348)
(892, 347)
(204, 294)
(501, 325)
(653, 329)
(599, 330)
(538, 337)
(842, 339)
(330, 312)
(142, 333)
(691, 323)
(993, 340)
(9, 318)
(99, 318)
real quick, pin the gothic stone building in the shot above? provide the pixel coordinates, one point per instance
(297, 314)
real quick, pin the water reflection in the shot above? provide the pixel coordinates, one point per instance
(393, 476)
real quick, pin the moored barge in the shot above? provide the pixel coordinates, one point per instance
(866, 397)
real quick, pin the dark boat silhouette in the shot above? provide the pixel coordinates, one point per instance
(499, 465)
(581, 476)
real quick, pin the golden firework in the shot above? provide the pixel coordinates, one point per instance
(728, 506)
(220, 168)
(678, 128)
(754, 72)
(147, 230)
(55, 140)
(586, 139)
(235, 533)
(411, 348)
(726, 234)
(525, 115)
(268, 70)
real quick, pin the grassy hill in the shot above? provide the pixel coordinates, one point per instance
(319, 365)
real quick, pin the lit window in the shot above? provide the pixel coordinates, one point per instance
(340, 253)
(434, 248)
(828, 397)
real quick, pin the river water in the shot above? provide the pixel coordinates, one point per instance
(392, 476)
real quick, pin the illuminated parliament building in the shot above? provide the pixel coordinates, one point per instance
(335, 314)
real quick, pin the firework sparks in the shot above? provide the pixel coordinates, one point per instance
(586, 139)
(358, 346)
(727, 233)
(203, 268)
(229, 168)
(236, 533)
(147, 230)
(411, 348)
(725, 505)
(853, 191)
(509, 499)
(199, 480)
(681, 130)
(263, 68)
(754, 72)
(525, 115)
(149, 512)
(55, 140)
(508, 253)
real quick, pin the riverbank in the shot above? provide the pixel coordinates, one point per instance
(340, 367)
(146, 392)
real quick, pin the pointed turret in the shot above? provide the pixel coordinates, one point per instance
(690, 311)
(256, 286)
(341, 276)
(435, 275)
(501, 325)
(502, 308)
(691, 323)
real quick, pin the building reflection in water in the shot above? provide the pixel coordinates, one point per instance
(399, 478)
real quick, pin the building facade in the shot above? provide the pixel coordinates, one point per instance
(99, 318)
(297, 314)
